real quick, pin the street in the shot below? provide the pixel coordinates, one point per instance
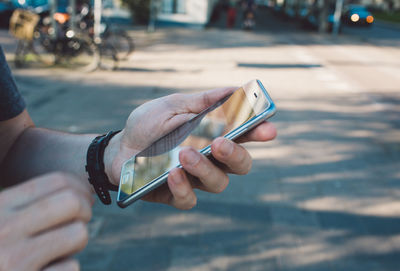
(325, 195)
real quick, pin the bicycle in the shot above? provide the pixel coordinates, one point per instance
(38, 42)
(114, 44)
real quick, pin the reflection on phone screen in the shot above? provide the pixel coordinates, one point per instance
(218, 120)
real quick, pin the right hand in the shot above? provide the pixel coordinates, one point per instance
(43, 222)
(156, 118)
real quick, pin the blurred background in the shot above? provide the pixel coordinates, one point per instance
(325, 195)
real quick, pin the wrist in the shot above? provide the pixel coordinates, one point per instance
(110, 155)
(95, 167)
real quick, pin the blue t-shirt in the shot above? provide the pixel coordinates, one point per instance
(11, 101)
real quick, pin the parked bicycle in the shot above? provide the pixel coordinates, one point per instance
(40, 42)
(114, 43)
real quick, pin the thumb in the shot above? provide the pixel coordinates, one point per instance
(197, 102)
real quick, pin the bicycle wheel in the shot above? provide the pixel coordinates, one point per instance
(20, 56)
(121, 42)
(108, 57)
(42, 47)
(79, 53)
(34, 52)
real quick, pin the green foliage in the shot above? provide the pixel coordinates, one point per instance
(140, 10)
(388, 16)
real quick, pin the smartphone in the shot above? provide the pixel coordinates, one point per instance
(230, 117)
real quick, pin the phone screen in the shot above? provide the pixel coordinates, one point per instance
(218, 120)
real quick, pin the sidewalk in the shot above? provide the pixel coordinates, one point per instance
(323, 196)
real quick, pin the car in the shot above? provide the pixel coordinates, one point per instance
(357, 15)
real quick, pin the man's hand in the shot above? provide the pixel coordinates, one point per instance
(43, 222)
(154, 119)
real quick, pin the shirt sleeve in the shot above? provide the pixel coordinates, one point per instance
(11, 101)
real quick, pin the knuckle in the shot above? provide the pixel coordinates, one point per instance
(191, 158)
(206, 170)
(72, 202)
(81, 234)
(249, 166)
(89, 214)
(190, 203)
(86, 214)
(245, 161)
(183, 195)
(222, 184)
(60, 178)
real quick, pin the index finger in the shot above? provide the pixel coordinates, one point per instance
(39, 187)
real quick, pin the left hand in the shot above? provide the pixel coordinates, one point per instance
(156, 118)
(43, 222)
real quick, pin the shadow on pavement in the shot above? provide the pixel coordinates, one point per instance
(278, 66)
(264, 236)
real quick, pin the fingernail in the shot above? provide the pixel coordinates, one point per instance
(226, 148)
(191, 157)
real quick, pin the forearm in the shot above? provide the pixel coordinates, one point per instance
(38, 151)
